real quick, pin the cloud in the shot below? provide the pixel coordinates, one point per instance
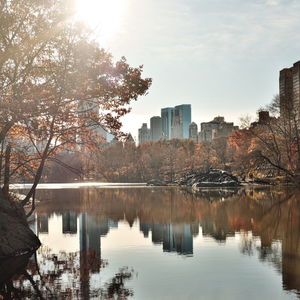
(191, 46)
(192, 29)
(272, 2)
(215, 30)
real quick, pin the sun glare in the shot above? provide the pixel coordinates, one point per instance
(103, 16)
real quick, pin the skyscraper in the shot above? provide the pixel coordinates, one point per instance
(166, 118)
(88, 108)
(181, 120)
(286, 90)
(193, 132)
(144, 134)
(289, 91)
(216, 128)
(155, 128)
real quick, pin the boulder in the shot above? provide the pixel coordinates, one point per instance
(212, 178)
(16, 238)
(155, 182)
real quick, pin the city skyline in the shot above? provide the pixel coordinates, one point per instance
(208, 53)
(146, 119)
(288, 93)
(175, 122)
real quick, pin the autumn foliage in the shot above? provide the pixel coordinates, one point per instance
(162, 160)
(57, 87)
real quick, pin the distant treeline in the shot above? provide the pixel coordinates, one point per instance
(162, 160)
(267, 148)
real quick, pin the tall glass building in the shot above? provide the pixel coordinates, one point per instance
(155, 128)
(166, 118)
(180, 122)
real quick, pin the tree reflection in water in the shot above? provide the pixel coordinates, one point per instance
(45, 280)
(267, 220)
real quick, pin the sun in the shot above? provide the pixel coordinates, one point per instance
(103, 16)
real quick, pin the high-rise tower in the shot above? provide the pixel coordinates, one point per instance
(289, 91)
(181, 120)
(166, 118)
(144, 134)
(155, 128)
(193, 132)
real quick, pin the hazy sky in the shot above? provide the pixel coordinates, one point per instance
(221, 56)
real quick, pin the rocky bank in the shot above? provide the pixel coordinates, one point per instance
(16, 238)
(212, 178)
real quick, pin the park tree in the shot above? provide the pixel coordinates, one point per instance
(208, 158)
(239, 143)
(271, 145)
(220, 146)
(165, 160)
(27, 30)
(276, 142)
(65, 90)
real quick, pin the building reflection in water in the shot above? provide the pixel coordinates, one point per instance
(219, 233)
(174, 237)
(69, 222)
(173, 219)
(91, 230)
(88, 237)
(42, 224)
(90, 251)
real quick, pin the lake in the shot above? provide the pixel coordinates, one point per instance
(125, 242)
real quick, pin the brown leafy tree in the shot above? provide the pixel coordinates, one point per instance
(71, 86)
(271, 146)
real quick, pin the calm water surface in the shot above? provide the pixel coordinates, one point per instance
(164, 243)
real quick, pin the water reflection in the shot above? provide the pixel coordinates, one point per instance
(72, 224)
(57, 277)
(174, 237)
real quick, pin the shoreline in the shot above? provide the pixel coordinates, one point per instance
(16, 238)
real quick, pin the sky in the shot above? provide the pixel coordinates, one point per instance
(221, 56)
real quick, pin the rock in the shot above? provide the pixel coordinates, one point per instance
(16, 238)
(155, 182)
(261, 181)
(212, 178)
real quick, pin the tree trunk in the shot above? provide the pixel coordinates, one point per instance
(5, 130)
(39, 172)
(1, 158)
(5, 188)
(35, 183)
